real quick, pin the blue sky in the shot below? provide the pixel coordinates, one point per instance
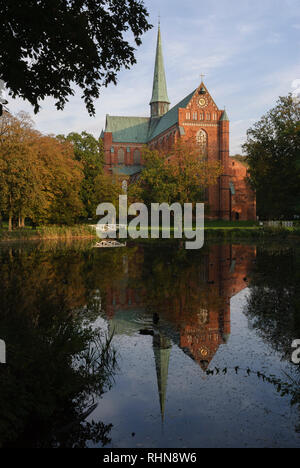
(249, 51)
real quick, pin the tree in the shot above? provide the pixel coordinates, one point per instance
(90, 153)
(107, 190)
(62, 178)
(273, 155)
(20, 175)
(48, 46)
(39, 177)
(179, 174)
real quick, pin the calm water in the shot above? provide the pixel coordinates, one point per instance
(149, 346)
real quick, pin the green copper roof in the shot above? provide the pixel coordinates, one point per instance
(128, 129)
(159, 93)
(170, 118)
(126, 170)
(144, 129)
(224, 117)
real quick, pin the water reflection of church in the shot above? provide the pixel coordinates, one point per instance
(193, 312)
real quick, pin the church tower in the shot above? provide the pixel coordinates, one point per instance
(159, 102)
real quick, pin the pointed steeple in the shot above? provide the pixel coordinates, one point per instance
(159, 102)
(224, 117)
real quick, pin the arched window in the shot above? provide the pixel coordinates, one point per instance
(121, 156)
(201, 139)
(208, 116)
(201, 117)
(137, 157)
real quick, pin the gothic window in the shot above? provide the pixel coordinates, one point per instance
(137, 157)
(215, 116)
(201, 116)
(195, 116)
(201, 139)
(121, 156)
(208, 116)
(188, 116)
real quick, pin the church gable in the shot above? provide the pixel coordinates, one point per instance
(200, 108)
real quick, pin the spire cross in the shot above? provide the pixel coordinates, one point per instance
(202, 76)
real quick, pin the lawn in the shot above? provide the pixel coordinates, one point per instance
(219, 224)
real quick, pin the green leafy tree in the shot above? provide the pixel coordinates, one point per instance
(90, 153)
(107, 190)
(48, 46)
(179, 174)
(273, 155)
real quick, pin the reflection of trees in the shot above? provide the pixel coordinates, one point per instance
(274, 303)
(57, 364)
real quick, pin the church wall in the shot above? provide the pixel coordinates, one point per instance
(194, 118)
(244, 201)
(111, 158)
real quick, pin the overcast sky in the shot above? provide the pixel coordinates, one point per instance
(248, 50)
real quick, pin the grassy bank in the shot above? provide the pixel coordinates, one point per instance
(49, 232)
(251, 232)
(215, 230)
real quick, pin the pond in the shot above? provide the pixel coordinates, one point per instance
(149, 345)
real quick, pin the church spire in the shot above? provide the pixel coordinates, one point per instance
(159, 102)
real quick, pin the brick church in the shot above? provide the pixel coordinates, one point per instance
(196, 116)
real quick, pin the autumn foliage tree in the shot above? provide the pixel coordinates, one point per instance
(20, 177)
(62, 176)
(39, 177)
(179, 174)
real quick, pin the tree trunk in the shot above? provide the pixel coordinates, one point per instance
(10, 222)
(22, 221)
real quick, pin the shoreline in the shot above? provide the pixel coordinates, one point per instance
(86, 232)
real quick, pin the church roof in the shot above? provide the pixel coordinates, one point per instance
(128, 129)
(159, 92)
(126, 170)
(224, 117)
(170, 118)
(143, 129)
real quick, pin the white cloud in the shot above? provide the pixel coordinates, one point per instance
(247, 28)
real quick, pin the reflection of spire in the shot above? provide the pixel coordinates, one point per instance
(162, 349)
